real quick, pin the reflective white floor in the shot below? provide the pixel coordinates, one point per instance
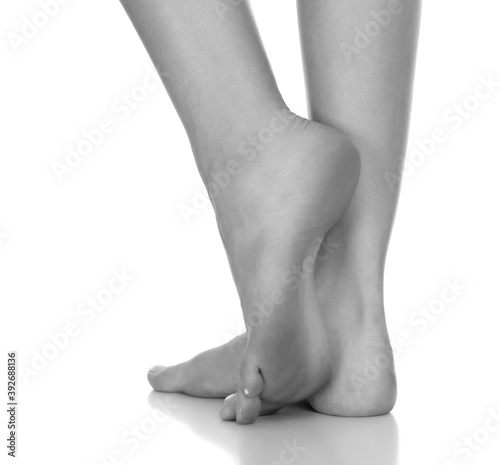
(295, 435)
(76, 413)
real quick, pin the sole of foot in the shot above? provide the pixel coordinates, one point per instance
(272, 222)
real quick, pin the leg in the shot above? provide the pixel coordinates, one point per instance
(365, 92)
(368, 96)
(277, 182)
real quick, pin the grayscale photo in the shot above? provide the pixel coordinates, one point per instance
(256, 232)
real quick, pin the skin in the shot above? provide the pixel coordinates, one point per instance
(362, 102)
(368, 96)
(285, 193)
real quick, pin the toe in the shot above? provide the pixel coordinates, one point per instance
(228, 410)
(164, 379)
(247, 408)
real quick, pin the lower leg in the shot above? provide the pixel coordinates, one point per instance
(365, 92)
(214, 69)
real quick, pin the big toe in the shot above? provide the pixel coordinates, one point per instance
(165, 379)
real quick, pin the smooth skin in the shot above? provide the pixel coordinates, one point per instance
(320, 336)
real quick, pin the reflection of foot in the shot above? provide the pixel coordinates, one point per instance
(272, 221)
(302, 434)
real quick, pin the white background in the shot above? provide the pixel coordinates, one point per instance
(120, 208)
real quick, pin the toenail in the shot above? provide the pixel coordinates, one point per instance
(246, 391)
(230, 396)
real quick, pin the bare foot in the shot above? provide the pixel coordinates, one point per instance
(213, 373)
(362, 381)
(272, 221)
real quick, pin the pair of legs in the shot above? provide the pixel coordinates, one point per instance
(305, 207)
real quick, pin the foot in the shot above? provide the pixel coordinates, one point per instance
(272, 219)
(213, 373)
(362, 381)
